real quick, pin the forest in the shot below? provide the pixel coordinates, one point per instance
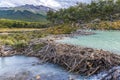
(98, 12)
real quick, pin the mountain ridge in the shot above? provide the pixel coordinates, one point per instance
(32, 8)
(25, 12)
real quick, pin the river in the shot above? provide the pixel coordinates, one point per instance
(12, 67)
(106, 40)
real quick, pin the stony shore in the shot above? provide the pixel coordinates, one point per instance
(83, 60)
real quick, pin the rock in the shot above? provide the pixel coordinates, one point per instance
(95, 21)
(38, 77)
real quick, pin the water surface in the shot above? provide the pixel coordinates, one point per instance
(10, 66)
(106, 40)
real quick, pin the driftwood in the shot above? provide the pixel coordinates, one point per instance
(86, 61)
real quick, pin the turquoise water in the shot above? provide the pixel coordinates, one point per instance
(106, 40)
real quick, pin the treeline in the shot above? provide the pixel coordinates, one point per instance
(105, 10)
(5, 23)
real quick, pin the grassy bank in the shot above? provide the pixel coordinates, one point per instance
(105, 25)
(61, 29)
(6, 23)
(21, 37)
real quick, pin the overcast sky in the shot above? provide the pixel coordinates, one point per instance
(49, 3)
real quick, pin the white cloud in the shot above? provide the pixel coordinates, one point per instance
(67, 3)
(6, 4)
(49, 3)
(12, 3)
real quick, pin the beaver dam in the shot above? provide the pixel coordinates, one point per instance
(83, 60)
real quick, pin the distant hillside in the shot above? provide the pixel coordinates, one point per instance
(21, 15)
(25, 12)
(7, 23)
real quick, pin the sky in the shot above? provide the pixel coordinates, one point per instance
(49, 3)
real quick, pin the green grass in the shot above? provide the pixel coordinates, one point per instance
(7, 23)
(37, 47)
(105, 25)
(21, 37)
(61, 29)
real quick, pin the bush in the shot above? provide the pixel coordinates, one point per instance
(106, 25)
(61, 29)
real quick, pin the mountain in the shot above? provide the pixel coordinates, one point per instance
(25, 12)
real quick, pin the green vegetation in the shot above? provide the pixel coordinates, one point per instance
(105, 25)
(105, 11)
(22, 15)
(97, 15)
(61, 29)
(20, 40)
(6, 23)
(37, 47)
(31, 8)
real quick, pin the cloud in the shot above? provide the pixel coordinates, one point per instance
(49, 3)
(67, 3)
(6, 4)
(13, 3)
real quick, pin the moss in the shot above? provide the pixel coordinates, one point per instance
(37, 47)
(20, 44)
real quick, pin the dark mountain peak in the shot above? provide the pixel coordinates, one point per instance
(4, 8)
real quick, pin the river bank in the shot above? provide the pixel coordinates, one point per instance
(83, 60)
(8, 50)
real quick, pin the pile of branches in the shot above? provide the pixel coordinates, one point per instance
(86, 61)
